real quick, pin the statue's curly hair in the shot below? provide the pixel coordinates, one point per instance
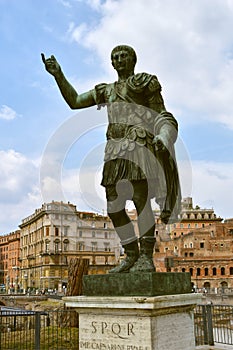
(127, 48)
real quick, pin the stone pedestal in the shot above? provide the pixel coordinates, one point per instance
(145, 284)
(135, 323)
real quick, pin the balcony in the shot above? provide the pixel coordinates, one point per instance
(49, 252)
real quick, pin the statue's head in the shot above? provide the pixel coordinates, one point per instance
(124, 50)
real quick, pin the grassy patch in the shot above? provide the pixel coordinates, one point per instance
(51, 338)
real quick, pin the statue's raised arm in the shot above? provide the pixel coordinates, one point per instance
(72, 98)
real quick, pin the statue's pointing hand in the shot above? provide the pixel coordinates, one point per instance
(51, 65)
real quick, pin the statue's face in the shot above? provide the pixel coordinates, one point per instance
(122, 61)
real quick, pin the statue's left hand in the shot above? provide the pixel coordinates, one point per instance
(160, 143)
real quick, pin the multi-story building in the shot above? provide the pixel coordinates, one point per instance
(9, 260)
(56, 233)
(192, 218)
(207, 253)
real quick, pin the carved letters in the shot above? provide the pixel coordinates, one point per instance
(123, 331)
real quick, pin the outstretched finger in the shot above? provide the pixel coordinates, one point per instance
(43, 57)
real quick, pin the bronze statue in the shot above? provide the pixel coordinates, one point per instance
(139, 155)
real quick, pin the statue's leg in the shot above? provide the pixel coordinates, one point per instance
(146, 225)
(116, 211)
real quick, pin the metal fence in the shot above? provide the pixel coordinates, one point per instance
(213, 324)
(28, 330)
(58, 330)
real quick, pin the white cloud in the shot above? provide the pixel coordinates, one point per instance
(188, 44)
(17, 175)
(19, 190)
(78, 32)
(95, 4)
(7, 113)
(213, 186)
(209, 183)
(65, 3)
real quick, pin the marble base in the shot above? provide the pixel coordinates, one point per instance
(136, 323)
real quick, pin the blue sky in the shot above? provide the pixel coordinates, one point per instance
(187, 44)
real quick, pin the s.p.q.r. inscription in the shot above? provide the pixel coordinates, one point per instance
(122, 331)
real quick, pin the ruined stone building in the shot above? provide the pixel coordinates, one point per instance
(205, 252)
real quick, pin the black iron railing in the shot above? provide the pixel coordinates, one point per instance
(213, 324)
(28, 330)
(56, 330)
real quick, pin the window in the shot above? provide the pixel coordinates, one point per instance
(80, 233)
(93, 234)
(107, 247)
(47, 231)
(47, 247)
(93, 246)
(198, 271)
(56, 247)
(191, 271)
(65, 246)
(214, 271)
(186, 254)
(231, 270)
(222, 271)
(191, 245)
(191, 255)
(81, 246)
(202, 245)
(183, 270)
(105, 225)
(206, 271)
(65, 230)
(56, 231)
(106, 235)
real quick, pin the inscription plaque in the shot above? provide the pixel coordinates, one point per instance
(114, 333)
